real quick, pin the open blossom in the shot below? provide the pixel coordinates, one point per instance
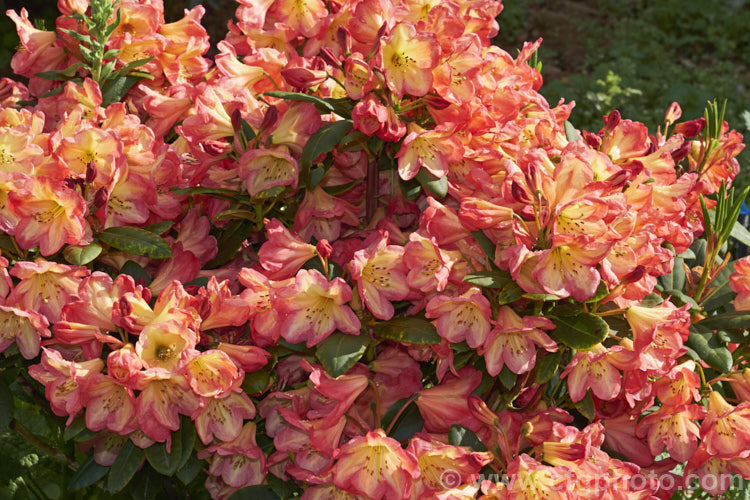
(408, 57)
(263, 169)
(240, 462)
(380, 274)
(433, 150)
(313, 307)
(673, 427)
(26, 328)
(465, 317)
(376, 466)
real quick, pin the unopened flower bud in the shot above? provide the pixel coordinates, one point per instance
(269, 120)
(146, 293)
(634, 275)
(101, 197)
(481, 411)
(303, 78)
(345, 40)
(592, 140)
(328, 56)
(126, 308)
(324, 249)
(436, 102)
(612, 120)
(691, 128)
(618, 180)
(236, 118)
(70, 182)
(519, 193)
(216, 148)
(91, 172)
(673, 113)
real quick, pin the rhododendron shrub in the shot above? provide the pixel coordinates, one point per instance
(357, 254)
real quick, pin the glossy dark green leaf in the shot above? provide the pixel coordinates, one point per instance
(323, 141)
(341, 188)
(680, 298)
(320, 104)
(283, 489)
(409, 423)
(725, 321)
(159, 228)
(136, 241)
(676, 279)
(258, 492)
(136, 271)
(461, 436)
(586, 407)
(77, 426)
(225, 194)
(507, 377)
(190, 470)
(489, 279)
(116, 88)
(601, 292)
(167, 463)
(256, 383)
(741, 234)
(485, 243)
(509, 293)
(147, 485)
(435, 185)
(87, 474)
(316, 176)
(235, 232)
(80, 256)
(409, 330)
(340, 351)
(235, 213)
(581, 332)
(126, 464)
(706, 344)
(547, 367)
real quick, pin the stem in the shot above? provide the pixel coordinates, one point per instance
(400, 412)
(371, 199)
(31, 438)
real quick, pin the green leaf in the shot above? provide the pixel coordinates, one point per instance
(230, 240)
(586, 407)
(580, 332)
(159, 228)
(61, 74)
(687, 255)
(136, 241)
(509, 293)
(126, 464)
(340, 351)
(316, 176)
(77, 426)
(6, 405)
(741, 234)
(134, 270)
(409, 423)
(507, 377)
(147, 485)
(461, 436)
(284, 489)
(226, 194)
(409, 330)
(256, 382)
(133, 65)
(323, 141)
(87, 474)
(489, 279)
(341, 188)
(258, 492)
(601, 292)
(235, 213)
(709, 349)
(80, 256)
(725, 321)
(190, 470)
(676, 279)
(485, 243)
(322, 105)
(115, 89)
(680, 298)
(571, 134)
(183, 441)
(435, 185)
(547, 367)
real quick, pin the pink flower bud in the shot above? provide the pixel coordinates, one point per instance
(101, 197)
(681, 153)
(91, 172)
(673, 113)
(324, 248)
(303, 78)
(345, 40)
(634, 275)
(236, 120)
(691, 128)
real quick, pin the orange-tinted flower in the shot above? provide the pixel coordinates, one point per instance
(408, 57)
(109, 405)
(26, 328)
(375, 466)
(51, 215)
(262, 169)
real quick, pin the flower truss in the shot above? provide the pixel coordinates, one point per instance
(356, 254)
